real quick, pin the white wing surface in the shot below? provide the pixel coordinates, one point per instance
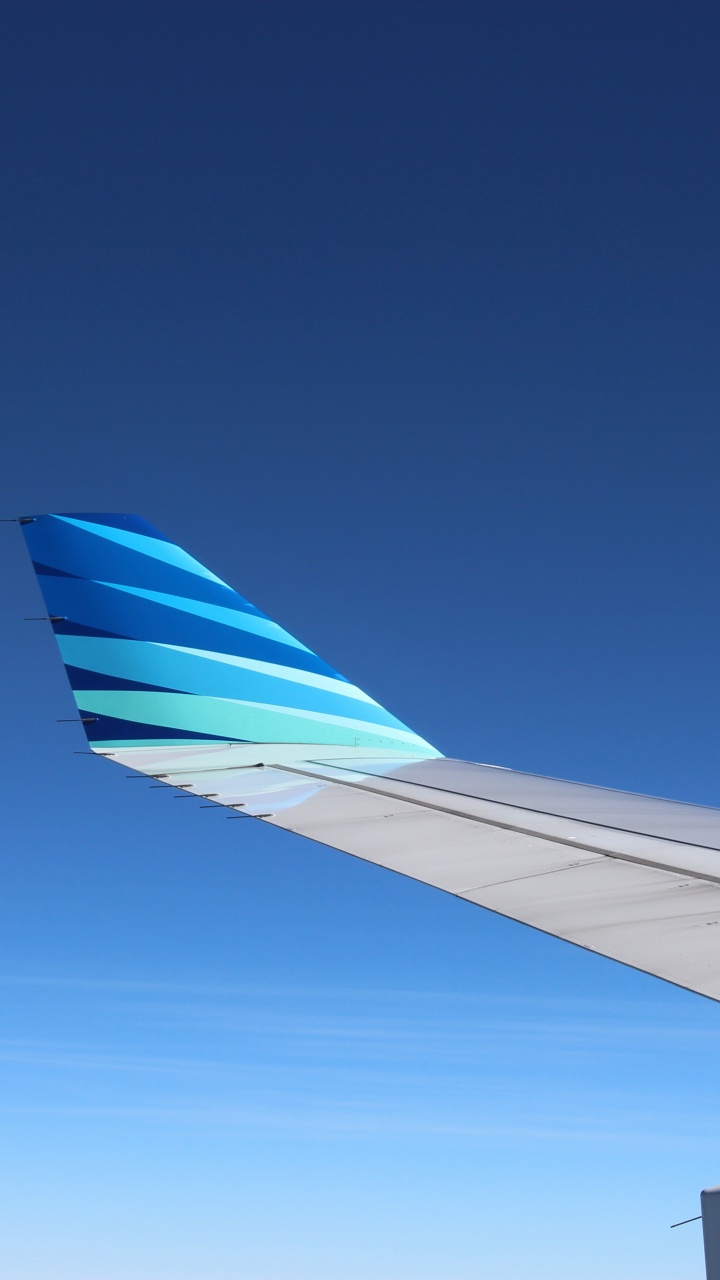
(627, 876)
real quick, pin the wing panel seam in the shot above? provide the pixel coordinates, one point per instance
(509, 826)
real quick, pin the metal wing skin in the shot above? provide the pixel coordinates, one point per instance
(176, 676)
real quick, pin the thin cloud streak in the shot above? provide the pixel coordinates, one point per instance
(386, 1125)
(369, 1065)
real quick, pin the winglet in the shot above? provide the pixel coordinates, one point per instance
(161, 652)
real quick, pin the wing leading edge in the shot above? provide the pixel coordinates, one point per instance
(178, 677)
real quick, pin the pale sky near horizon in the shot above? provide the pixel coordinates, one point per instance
(403, 319)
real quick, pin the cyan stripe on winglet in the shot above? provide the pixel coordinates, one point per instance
(139, 662)
(155, 547)
(257, 624)
(334, 684)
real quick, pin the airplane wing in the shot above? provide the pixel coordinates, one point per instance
(177, 676)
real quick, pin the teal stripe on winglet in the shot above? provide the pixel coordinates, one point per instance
(258, 625)
(227, 719)
(155, 547)
(144, 663)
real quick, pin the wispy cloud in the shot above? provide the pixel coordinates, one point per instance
(329, 1061)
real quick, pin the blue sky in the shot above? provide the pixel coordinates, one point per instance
(404, 320)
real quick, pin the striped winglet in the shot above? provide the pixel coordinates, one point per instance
(161, 653)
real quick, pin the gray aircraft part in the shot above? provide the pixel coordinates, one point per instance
(710, 1207)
